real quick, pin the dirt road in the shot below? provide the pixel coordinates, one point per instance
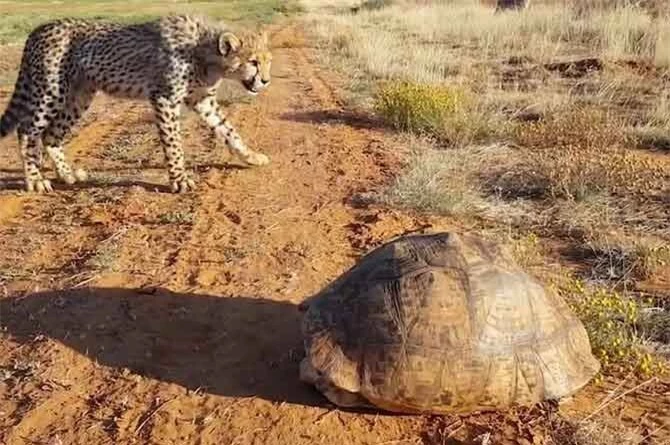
(179, 322)
(180, 325)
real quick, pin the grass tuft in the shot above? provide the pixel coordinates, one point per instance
(527, 251)
(441, 182)
(592, 432)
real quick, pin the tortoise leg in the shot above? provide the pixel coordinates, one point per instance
(335, 395)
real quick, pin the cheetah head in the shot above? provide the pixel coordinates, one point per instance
(242, 57)
(255, 63)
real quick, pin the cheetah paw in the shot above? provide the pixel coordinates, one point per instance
(39, 185)
(256, 159)
(80, 174)
(183, 185)
(70, 178)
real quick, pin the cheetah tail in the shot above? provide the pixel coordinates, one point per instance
(8, 121)
(11, 117)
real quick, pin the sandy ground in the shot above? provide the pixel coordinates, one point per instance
(132, 315)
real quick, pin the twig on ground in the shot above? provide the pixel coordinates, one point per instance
(606, 403)
(151, 414)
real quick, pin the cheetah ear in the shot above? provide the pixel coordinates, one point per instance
(229, 42)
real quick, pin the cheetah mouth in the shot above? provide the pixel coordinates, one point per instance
(250, 87)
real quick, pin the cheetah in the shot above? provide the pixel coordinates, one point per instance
(171, 61)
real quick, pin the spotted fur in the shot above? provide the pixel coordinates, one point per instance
(171, 61)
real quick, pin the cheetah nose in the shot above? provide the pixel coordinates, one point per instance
(265, 82)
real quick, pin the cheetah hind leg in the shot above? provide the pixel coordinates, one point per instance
(78, 102)
(32, 160)
(169, 131)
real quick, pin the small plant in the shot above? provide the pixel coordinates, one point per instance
(651, 137)
(527, 251)
(611, 320)
(418, 108)
(177, 217)
(104, 258)
(650, 260)
(289, 8)
(590, 220)
(591, 431)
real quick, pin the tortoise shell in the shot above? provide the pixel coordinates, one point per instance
(442, 323)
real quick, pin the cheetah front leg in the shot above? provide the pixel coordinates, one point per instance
(209, 110)
(169, 130)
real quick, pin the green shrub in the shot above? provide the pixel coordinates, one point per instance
(418, 108)
(445, 113)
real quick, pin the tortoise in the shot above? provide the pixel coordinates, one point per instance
(442, 323)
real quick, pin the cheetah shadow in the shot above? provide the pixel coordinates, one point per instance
(231, 346)
(342, 117)
(15, 182)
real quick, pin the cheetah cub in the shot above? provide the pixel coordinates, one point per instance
(175, 60)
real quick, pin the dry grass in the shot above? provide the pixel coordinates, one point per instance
(372, 5)
(527, 251)
(446, 113)
(659, 116)
(592, 432)
(592, 218)
(104, 258)
(178, 217)
(543, 32)
(408, 41)
(627, 260)
(576, 154)
(650, 137)
(445, 181)
(570, 176)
